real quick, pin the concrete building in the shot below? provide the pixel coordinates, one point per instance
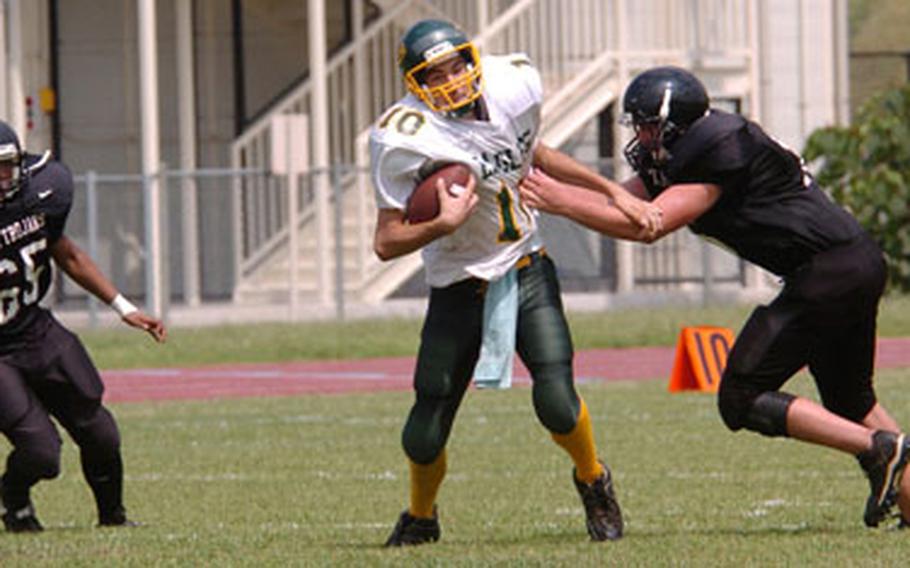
(172, 104)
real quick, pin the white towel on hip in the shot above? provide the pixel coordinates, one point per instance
(500, 323)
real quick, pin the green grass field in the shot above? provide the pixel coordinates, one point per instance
(319, 480)
(122, 348)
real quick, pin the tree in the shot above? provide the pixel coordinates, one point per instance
(866, 168)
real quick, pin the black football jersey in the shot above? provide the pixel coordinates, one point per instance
(31, 221)
(771, 212)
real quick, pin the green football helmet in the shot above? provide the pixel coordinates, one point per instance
(433, 42)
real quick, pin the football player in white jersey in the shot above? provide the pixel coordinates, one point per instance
(489, 122)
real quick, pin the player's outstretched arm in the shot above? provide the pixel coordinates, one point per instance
(680, 205)
(83, 270)
(395, 237)
(630, 202)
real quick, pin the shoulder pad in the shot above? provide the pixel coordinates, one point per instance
(520, 60)
(703, 135)
(513, 77)
(402, 121)
(50, 187)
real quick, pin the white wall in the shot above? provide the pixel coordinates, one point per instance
(35, 132)
(800, 88)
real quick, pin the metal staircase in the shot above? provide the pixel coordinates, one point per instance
(585, 51)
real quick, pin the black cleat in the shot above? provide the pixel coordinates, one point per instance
(22, 520)
(410, 530)
(117, 519)
(18, 512)
(884, 464)
(604, 518)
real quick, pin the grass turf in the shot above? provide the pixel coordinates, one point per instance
(319, 480)
(123, 348)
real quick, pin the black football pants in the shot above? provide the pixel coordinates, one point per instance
(825, 317)
(56, 378)
(450, 346)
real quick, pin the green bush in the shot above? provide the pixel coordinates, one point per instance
(866, 168)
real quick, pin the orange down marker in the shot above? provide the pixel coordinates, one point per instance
(701, 355)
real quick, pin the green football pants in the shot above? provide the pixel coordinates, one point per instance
(450, 346)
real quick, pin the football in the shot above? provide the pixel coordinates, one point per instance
(423, 205)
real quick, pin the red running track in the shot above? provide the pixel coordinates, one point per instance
(322, 377)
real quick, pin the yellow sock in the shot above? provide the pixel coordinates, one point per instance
(579, 443)
(425, 482)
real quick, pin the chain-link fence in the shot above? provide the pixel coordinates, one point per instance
(109, 220)
(214, 221)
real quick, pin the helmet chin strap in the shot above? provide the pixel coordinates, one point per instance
(467, 111)
(463, 112)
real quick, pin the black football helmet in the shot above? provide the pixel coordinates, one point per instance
(431, 41)
(12, 166)
(668, 98)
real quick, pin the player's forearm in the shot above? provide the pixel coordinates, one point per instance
(392, 241)
(595, 212)
(83, 270)
(568, 170)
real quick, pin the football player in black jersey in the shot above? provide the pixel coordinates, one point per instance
(44, 369)
(725, 178)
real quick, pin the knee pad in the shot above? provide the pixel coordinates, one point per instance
(98, 433)
(765, 413)
(425, 433)
(40, 462)
(768, 413)
(555, 400)
(419, 447)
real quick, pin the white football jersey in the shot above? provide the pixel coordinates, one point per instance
(410, 140)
